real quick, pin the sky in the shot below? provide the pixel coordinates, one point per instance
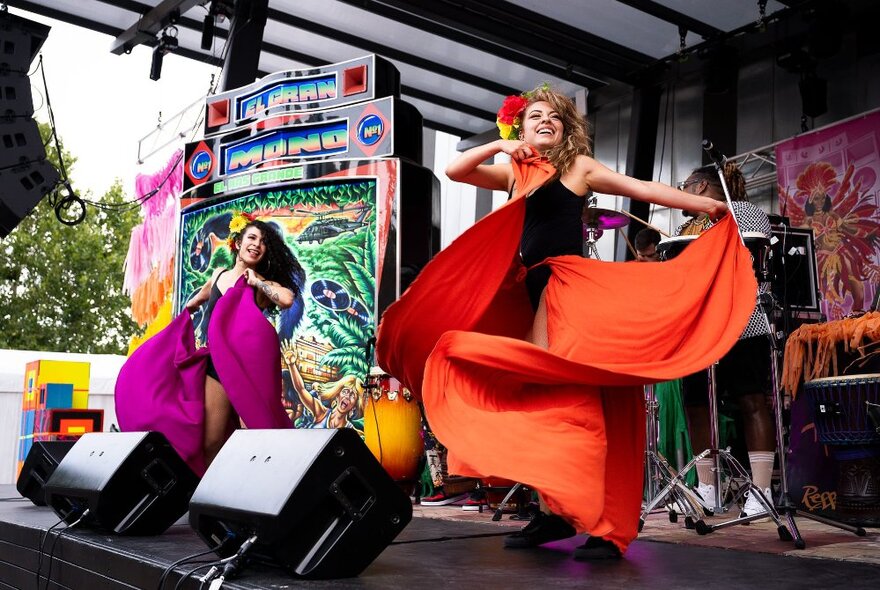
(105, 103)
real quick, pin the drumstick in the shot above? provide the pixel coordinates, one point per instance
(643, 222)
(628, 245)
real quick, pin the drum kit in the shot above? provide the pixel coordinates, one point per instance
(596, 221)
(674, 493)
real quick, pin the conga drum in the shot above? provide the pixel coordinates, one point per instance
(392, 426)
(842, 410)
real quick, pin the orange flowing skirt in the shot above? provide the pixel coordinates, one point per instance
(568, 421)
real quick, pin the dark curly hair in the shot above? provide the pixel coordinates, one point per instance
(279, 264)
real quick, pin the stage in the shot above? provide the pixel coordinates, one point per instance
(445, 547)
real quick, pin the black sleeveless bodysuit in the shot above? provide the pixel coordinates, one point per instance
(206, 319)
(552, 227)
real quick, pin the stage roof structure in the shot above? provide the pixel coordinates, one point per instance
(459, 58)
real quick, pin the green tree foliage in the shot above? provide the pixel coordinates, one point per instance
(61, 286)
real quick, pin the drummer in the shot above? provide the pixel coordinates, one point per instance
(645, 243)
(744, 372)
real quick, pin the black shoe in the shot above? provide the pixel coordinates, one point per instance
(543, 528)
(596, 548)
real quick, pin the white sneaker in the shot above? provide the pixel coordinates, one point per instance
(705, 493)
(754, 506)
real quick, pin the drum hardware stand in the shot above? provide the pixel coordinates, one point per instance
(787, 507)
(522, 512)
(674, 493)
(592, 236)
(595, 220)
(725, 462)
(723, 457)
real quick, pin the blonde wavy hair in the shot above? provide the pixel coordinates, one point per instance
(575, 129)
(330, 392)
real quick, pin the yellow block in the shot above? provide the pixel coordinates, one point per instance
(74, 372)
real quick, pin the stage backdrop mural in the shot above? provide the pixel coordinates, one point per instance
(829, 182)
(330, 225)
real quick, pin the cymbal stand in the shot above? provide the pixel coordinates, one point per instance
(725, 462)
(674, 493)
(786, 507)
(591, 236)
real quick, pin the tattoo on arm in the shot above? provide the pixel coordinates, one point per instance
(269, 291)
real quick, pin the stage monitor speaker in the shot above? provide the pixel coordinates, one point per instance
(39, 465)
(794, 277)
(319, 502)
(132, 483)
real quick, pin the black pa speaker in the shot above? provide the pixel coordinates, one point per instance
(39, 465)
(132, 483)
(319, 503)
(25, 174)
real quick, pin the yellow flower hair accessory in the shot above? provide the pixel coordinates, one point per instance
(237, 224)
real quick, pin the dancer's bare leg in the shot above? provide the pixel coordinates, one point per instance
(218, 411)
(537, 335)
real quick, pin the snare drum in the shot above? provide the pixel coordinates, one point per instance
(392, 426)
(841, 408)
(672, 247)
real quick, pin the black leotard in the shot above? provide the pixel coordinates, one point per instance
(552, 227)
(206, 319)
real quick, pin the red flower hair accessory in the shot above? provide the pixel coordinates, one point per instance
(509, 117)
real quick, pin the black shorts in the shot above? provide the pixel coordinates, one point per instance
(742, 371)
(211, 371)
(536, 281)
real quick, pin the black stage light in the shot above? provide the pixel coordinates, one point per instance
(814, 95)
(207, 32)
(167, 44)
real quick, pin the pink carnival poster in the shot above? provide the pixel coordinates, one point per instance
(829, 181)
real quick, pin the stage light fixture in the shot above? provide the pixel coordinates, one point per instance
(219, 9)
(814, 94)
(167, 43)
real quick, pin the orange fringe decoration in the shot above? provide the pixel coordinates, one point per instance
(811, 350)
(149, 296)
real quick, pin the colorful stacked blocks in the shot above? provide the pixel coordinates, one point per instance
(55, 404)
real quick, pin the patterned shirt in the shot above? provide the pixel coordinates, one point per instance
(751, 219)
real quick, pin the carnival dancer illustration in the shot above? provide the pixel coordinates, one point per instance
(530, 373)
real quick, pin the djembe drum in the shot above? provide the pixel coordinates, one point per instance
(845, 416)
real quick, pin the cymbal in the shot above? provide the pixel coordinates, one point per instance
(603, 218)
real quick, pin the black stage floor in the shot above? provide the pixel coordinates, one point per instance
(430, 553)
